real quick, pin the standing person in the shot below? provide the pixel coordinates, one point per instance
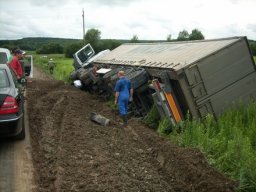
(15, 64)
(123, 91)
(24, 62)
(51, 65)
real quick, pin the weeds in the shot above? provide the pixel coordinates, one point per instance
(152, 118)
(228, 143)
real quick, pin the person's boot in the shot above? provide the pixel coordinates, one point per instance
(125, 120)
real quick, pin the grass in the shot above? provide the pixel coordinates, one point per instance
(64, 66)
(152, 118)
(229, 143)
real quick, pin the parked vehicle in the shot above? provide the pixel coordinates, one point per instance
(196, 77)
(11, 105)
(4, 55)
(27, 61)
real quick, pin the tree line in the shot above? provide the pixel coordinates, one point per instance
(93, 36)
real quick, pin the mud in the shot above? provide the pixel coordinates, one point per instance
(72, 153)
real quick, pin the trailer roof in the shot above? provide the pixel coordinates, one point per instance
(172, 55)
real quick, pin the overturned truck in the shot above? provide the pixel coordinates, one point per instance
(199, 77)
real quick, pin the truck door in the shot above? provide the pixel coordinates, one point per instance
(166, 103)
(82, 56)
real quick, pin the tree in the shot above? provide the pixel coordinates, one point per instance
(183, 35)
(71, 49)
(50, 48)
(134, 39)
(252, 45)
(169, 38)
(196, 35)
(109, 44)
(92, 36)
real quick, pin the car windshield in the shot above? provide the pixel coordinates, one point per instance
(84, 55)
(3, 79)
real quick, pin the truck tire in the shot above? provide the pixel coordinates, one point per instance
(138, 77)
(83, 75)
(127, 71)
(73, 75)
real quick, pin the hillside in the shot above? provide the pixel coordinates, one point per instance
(33, 43)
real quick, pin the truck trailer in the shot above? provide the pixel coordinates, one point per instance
(197, 77)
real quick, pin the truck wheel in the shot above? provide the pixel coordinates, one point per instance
(138, 77)
(73, 75)
(127, 71)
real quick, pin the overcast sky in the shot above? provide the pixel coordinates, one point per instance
(121, 19)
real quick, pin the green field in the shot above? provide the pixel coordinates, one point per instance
(64, 66)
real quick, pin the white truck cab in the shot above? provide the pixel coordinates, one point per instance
(86, 55)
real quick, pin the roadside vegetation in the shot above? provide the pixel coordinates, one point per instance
(228, 143)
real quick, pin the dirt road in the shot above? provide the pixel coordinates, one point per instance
(71, 153)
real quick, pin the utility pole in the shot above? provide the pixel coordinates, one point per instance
(83, 24)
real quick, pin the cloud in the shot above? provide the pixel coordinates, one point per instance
(49, 4)
(252, 28)
(148, 19)
(109, 3)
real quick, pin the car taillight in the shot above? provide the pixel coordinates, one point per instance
(9, 106)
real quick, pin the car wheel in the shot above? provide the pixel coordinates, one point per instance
(22, 134)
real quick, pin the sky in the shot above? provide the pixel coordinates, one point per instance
(122, 19)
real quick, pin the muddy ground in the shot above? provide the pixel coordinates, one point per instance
(72, 153)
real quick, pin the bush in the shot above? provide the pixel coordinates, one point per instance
(152, 118)
(71, 49)
(165, 126)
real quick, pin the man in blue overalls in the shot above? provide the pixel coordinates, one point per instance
(123, 92)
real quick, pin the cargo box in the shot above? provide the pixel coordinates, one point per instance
(205, 76)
